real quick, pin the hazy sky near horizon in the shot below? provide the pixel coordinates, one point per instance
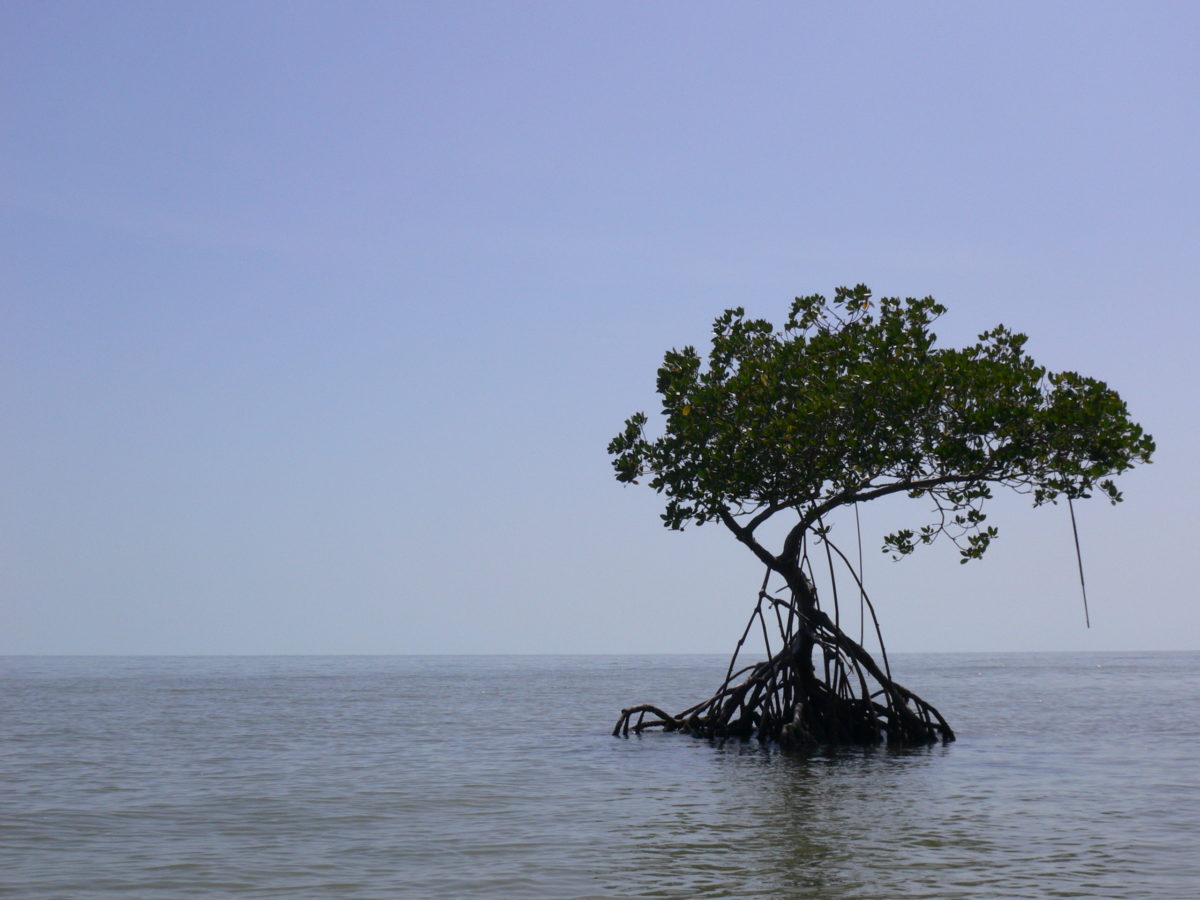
(317, 317)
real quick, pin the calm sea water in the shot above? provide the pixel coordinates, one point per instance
(355, 777)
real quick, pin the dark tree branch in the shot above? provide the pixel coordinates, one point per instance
(743, 534)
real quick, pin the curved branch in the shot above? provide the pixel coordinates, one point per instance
(764, 515)
(746, 536)
(920, 484)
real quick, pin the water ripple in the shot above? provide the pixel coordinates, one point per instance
(496, 778)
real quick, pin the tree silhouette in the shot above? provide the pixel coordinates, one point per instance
(852, 401)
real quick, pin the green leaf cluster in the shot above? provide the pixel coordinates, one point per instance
(853, 400)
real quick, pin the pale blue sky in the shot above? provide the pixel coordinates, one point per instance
(317, 317)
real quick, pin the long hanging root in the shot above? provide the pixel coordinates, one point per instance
(849, 700)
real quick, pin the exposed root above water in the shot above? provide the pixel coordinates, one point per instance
(821, 688)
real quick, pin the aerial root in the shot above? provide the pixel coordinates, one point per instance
(851, 700)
